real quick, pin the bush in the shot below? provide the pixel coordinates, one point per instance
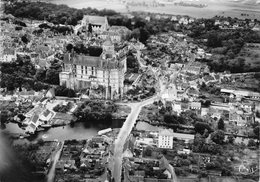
(65, 92)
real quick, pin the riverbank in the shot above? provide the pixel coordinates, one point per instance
(61, 133)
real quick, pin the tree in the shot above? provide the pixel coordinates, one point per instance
(40, 74)
(24, 39)
(257, 131)
(136, 33)
(221, 124)
(148, 152)
(52, 76)
(69, 47)
(231, 138)
(89, 28)
(218, 136)
(201, 126)
(251, 143)
(164, 151)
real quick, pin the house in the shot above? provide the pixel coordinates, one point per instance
(186, 137)
(60, 166)
(46, 115)
(191, 20)
(33, 124)
(256, 28)
(8, 55)
(177, 108)
(50, 93)
(184, 21)
(165, 139)
(148, 18)
(195, 106)
(217, 22)
(174, 18)
(98, 23)
(128, 148)
(98, 139)
(184, 151)
(31, 128)
(158, 17)
(165, 165)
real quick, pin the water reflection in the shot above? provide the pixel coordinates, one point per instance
(78, 131)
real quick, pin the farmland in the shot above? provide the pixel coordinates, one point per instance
(215, 7)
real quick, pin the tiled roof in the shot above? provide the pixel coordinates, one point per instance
(9, 51)
(96, 20)
(166, 132)
(129, 144)
(46, 112)
(108, 41)
(164, 164)
(35, 118)
(98, 139)
(195, 104)
(32, 126)
(86, 60)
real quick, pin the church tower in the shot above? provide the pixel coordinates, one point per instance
(108, 48)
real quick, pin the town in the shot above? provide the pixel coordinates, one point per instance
(103, 97)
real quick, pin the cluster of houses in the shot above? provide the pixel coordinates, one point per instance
(93, 155)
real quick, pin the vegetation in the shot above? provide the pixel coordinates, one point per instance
(65, 92)
(200, 145)
(96, 112)
(56, 14)
(63, 108)
(132, 63)
(22, 73)
(22, 160)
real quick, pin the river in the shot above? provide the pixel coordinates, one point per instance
(78, 131)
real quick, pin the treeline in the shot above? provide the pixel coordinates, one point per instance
(22, 73)
(21, 161)
(56, 14)
(96, 112)
(81, 49)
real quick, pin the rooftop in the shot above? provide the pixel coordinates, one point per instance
(166, 132)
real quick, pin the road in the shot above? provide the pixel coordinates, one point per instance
(54, 159)
(130, 121)
(123, 134)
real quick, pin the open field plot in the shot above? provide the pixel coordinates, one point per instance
(220, 7)
(98, 4)
(251, 53)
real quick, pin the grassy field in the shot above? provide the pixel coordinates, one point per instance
(251, 54)
(215, 7)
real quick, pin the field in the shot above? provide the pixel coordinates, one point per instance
(230, 8)
(251, 53)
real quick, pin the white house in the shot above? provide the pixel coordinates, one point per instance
(46, 115)
(165, 139)
(195, 105)
(174, 18)
(33, 124)
(8, 55)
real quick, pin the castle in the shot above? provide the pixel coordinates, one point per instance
(106, 71)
